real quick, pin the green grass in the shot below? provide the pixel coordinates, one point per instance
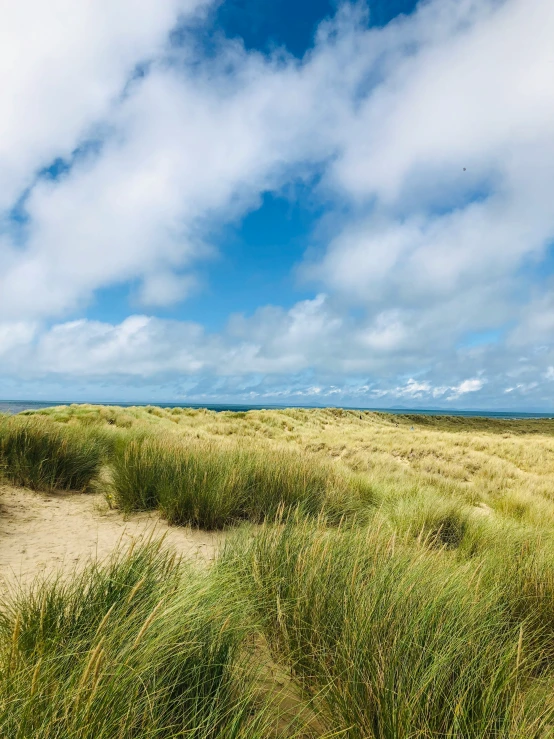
(390, 578)
(140, 647)
(211, 486)
(370, 636)
(393, 640)
(45, 456)
(518, 561)
(425, 515)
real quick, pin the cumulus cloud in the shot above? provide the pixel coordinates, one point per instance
(156, 144)
(471, 97)
(467, 386)
(62, 66)
(15, 336)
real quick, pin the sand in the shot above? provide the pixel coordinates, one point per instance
(45, 533)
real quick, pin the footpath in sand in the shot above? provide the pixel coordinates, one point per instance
(45, 533)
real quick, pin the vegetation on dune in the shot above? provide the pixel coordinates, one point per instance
(505, 465)
(43, 456)
(138, 647)
(206, 485)
(392, 640)
(371, 635)
(389, 578)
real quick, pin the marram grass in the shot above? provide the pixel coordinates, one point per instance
(210, 486)
(505, 465)
(139, 647)
(45, 456)
(371, 637)
(394, 577)
(393, 640)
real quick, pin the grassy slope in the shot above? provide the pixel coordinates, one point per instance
(505, 465)
(430, 614)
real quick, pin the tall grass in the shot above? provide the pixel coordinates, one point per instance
(45, 456)
(425, 612)
(139, 647)
(518, 561)
(424, 514)
(386, 638)
(507, 465)
(392, 641)
(208, 485)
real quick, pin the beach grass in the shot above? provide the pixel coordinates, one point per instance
(386, 577)
(202, 484)
(140, 646)
(45, 456)
(393, 639)
(503, 465)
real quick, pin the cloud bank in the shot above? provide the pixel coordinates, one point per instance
(124, 146)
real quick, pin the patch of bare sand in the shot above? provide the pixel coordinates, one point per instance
(45, 533)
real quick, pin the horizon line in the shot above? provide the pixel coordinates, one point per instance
(399, 410)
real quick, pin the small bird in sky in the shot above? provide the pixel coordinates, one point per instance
(464, 169)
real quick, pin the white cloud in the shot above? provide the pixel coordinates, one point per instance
(139, 346)
(469, 92)
(166, 288)
(14, 336)
(467, 386)
(62, 65)
(153, 358)
(390, 116)
(386, 334)
(523, 387)
(413, 389)
(187, 146)
(476, 97)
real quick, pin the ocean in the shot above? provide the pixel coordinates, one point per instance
(16, 406)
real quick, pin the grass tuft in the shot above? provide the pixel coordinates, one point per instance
(140, 646)
(398, 582)
(391, 640)
(210, 486)
(45, 456)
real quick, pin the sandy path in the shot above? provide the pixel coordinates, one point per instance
(42, 533)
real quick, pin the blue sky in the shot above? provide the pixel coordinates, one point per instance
(322, 203)
(264, 26)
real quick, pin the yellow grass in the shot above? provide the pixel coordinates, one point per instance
(502, 466)
(419, 604)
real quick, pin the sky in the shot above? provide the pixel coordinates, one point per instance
(317, 203)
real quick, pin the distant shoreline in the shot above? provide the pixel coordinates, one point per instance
(16, 406)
